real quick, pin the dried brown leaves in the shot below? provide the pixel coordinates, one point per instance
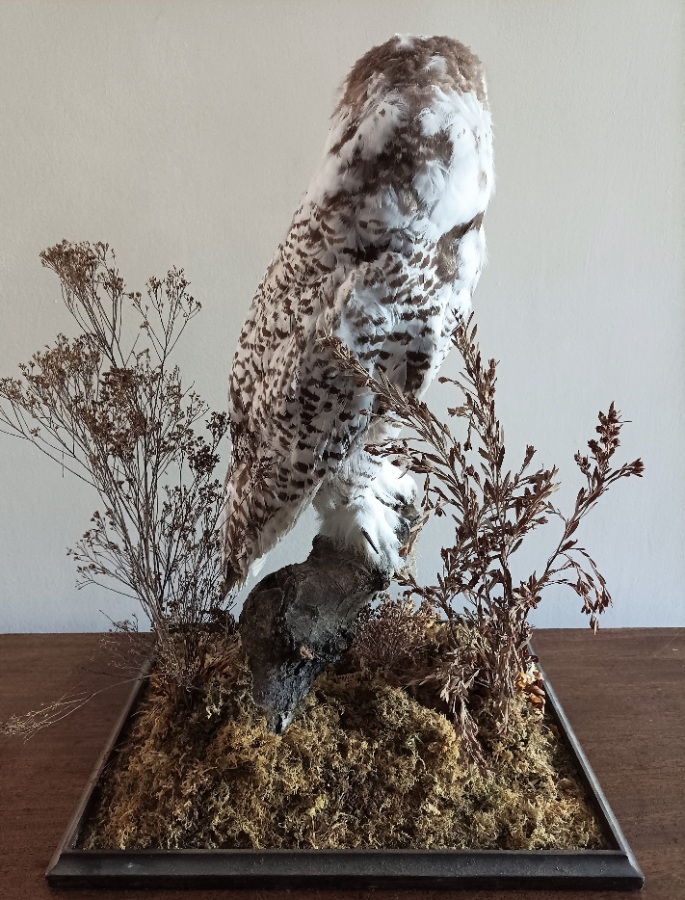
(493, 509)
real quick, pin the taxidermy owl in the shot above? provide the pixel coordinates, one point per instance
(384, 253)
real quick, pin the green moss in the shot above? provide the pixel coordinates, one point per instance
(362, 766)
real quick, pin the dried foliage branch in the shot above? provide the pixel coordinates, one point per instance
(110, 407)
(493, 508)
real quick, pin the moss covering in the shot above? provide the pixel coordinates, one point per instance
(364, 765)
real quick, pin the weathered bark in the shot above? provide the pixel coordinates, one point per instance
(301, 619)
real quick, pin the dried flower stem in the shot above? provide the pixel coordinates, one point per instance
(109, 407)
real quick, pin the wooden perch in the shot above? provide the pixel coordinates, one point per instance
(299, 620)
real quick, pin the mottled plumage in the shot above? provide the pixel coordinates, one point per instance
(384, 252)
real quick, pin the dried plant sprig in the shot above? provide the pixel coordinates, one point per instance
(28, 724)
(110, 407)
(493, 509)
(454, 679)
(390, 634)
(584, 578)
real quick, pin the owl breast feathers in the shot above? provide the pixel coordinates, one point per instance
(384, 253)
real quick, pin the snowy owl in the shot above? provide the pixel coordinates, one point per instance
(384, 252)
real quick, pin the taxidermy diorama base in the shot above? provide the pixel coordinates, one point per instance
(325, 742)
(196, 840)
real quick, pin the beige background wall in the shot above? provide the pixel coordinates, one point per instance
(185, 133)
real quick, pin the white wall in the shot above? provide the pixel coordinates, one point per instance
(185, 133)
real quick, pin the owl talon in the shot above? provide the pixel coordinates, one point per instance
(366, 535)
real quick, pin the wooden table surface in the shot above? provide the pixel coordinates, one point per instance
(623, 691)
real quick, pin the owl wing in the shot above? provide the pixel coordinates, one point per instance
(294, 415)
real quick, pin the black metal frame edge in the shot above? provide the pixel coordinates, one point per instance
(615, 869)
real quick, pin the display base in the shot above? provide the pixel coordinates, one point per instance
(610, 869)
